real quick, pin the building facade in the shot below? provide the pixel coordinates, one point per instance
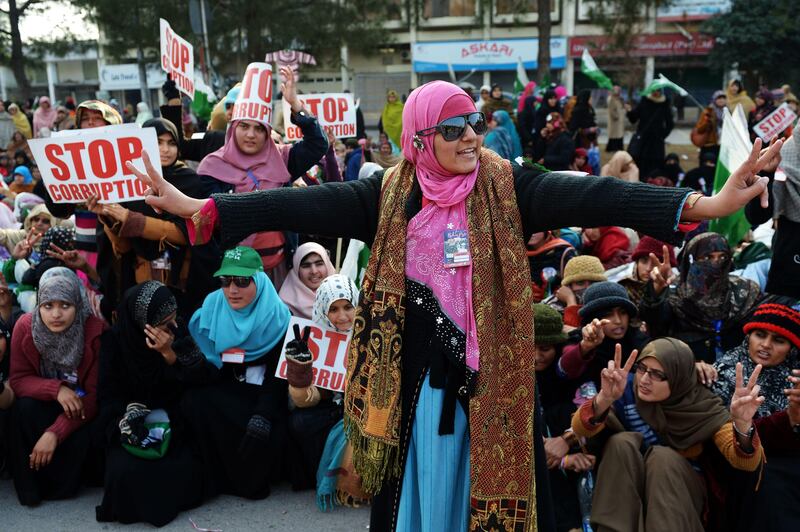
(475, 43)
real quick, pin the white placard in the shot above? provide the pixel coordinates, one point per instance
(255, 98)
(177, 59)
(92, 162)
(336, 112)
(775, 122)
(329, 350)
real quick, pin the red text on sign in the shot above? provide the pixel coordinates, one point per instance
(105, 159)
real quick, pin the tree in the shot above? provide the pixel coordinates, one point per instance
(244, 31)
(759, 38)
(543, 57)
(134, 27)
(13, 14)
(622, 21)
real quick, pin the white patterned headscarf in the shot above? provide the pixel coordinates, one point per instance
(61, 353)
(332, 289)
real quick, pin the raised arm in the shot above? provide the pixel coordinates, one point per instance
(333, 209)
(348, 210)
(553, 200)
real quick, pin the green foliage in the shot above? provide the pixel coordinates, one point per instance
(242, 31)
(622, 21)
(759, 37)
(247, 30)
(134, 24)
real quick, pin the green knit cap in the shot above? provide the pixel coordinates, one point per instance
(547, 325)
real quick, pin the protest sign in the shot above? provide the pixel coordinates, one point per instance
(177, 59)
(92, 162)
(255, 99)
(775, 122)
(328, 349)
(336, 112)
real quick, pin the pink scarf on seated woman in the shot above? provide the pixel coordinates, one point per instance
(261, 171)
(297, 296)
(444, 208)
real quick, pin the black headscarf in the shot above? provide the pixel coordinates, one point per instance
(583, 115)
(706, 290)
(149, 303)
(184, 179)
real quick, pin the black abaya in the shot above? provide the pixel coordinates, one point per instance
(138, 489)
(217, 416)
(61, 478)
(308, 433)
(152, 491)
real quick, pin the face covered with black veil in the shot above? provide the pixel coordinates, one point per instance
(706, 291)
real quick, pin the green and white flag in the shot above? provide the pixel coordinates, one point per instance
(589, 67)
(661, 83)
(734, 150)
(522, 77)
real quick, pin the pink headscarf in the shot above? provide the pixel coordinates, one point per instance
(427, 106)
(42, 118)
(230, 165)
(297, 296)
(528, 91)
(446, 209)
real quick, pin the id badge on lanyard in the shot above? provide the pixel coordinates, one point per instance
(456, 248)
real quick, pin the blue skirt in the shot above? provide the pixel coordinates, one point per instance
(435, 492)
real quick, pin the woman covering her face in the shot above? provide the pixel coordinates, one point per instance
(146, 363)
(239, 417)
(54, 369)
(708, 307)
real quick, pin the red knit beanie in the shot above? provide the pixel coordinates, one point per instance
(649, 245)
(779, 319)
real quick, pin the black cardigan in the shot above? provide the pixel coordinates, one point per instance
(302, 156)
(546, 201)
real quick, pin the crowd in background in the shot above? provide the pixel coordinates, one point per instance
(139, 355)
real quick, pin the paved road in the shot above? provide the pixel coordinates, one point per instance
(283, 511)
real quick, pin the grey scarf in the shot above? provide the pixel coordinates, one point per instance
(787, 193)
(61, 353)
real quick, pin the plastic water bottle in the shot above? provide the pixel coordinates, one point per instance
(585, 491)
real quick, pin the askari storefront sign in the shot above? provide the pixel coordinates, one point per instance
(499, 54)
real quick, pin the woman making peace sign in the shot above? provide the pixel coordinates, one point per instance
(675, 430)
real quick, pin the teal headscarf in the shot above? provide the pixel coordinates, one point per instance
(504, 121)
(257, 328)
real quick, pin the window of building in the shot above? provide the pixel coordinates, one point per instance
(90, 70)
(449, 8)
(519, 7)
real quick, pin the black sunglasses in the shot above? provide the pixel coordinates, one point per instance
(241, 282)
(453, 128)
(656, 375)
